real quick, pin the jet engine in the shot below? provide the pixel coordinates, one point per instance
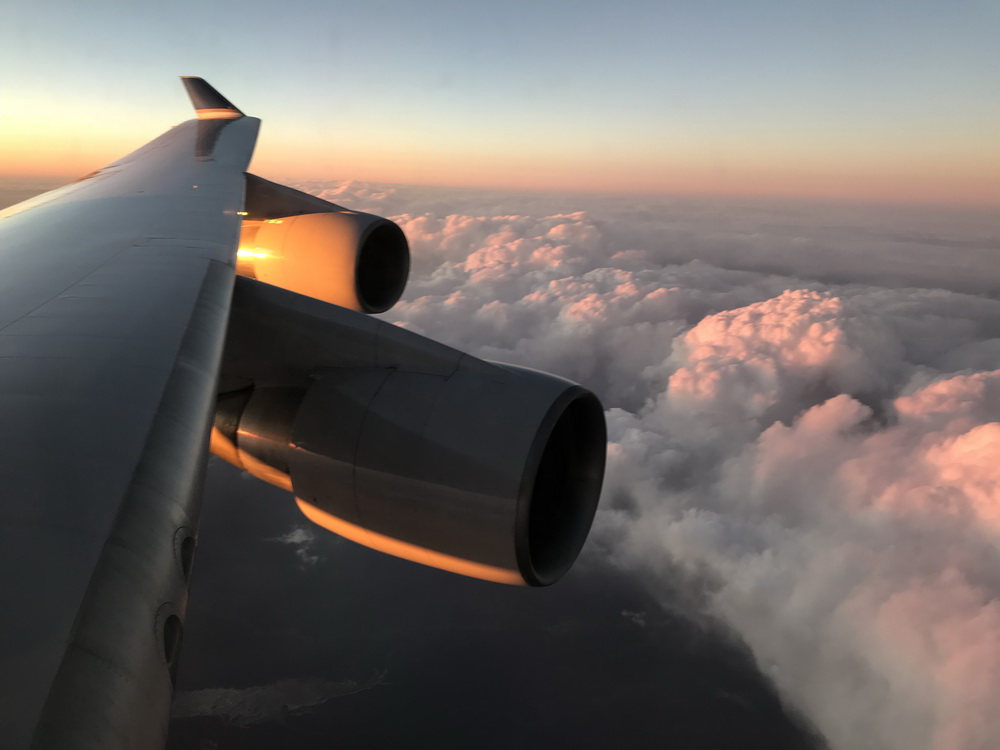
(313, 247)
(406, 445)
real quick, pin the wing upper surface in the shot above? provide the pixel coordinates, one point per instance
(114, 295)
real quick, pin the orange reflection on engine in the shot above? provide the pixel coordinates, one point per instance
(407, 551)
(224, 448)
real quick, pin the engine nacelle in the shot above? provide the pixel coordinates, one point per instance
(413, 448)
(316, 248)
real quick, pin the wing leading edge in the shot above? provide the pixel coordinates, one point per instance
(114, 299)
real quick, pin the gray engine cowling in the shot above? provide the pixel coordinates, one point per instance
(415, 449)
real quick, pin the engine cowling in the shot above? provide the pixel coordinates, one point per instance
(413, 448)
(306, 245)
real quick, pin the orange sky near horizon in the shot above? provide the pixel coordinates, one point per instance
(881, 100)
(933, 178)
(925, 167)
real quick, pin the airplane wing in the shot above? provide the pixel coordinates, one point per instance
(171, 304)
(114, 297)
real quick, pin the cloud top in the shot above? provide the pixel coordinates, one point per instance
(810, 456)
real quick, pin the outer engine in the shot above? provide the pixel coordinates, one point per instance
(406, 445)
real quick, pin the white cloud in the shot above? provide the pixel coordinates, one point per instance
(813, 458)
(304, 541)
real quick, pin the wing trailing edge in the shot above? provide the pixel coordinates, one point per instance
(208, 103)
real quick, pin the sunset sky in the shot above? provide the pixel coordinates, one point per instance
(798, 537)
(848, 99)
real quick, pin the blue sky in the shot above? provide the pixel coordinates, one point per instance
(659, 96)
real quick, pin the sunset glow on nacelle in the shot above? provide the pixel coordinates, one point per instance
(313, 247)
(348, 259)
(251, 253)
(413, 552)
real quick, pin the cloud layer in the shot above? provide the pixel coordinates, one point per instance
(814, 459)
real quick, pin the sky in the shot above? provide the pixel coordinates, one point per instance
(797, 540)
(883, 100)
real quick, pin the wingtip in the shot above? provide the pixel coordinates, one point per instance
(208, 103)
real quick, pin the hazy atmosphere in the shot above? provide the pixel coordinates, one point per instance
(765, 234)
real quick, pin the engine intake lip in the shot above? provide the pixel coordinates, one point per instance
(561, 487)
(382, 267)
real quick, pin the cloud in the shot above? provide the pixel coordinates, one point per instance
(244, 707)
(304, 541)
(637, 618)
(793, 448)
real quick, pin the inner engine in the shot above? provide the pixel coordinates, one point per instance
(406, 445)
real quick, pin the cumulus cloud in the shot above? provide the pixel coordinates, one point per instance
(807, 454)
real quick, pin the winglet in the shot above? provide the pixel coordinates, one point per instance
(208, 103)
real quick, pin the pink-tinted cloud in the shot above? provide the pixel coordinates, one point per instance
(813, 458)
